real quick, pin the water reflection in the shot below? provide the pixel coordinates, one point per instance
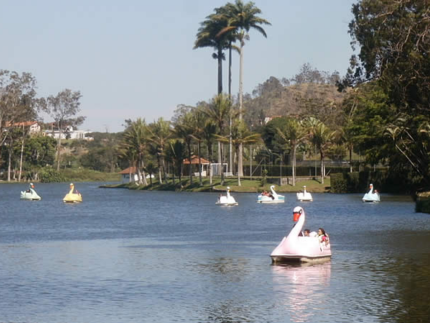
(302, 288)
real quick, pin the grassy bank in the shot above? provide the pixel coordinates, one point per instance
(248, 186)
(88, 175)
(49, 175)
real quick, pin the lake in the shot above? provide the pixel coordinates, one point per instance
(139, 256)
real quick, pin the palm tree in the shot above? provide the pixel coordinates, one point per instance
(176, 154)
(198, 125)
(160, 133)
(150, 169)
(129, 154)
(136, 138)
(218, 112)
(348, 136)
(242, 17)
(322, 137)
(184, 130)
(292, 133)
(240, 135)
(208, 36)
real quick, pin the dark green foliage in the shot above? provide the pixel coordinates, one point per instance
(102, 159)
(423, 205)
(50, 175)
(339, 183)
(394, 68)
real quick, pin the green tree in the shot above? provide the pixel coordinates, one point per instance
(136, 139)
(184, 129)
(63, 109)
(322, 137)
(292, 133)
(240, 135)
(151, 169)
(218, 111)
(160, 133)
(208, 35)
(392, 37)
(176, 153)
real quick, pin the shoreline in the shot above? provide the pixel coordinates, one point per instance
(247, 186)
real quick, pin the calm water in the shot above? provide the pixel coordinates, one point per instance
(125, 256)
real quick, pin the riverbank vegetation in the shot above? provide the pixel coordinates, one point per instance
(372, 125)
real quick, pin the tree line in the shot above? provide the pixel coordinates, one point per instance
(380, 110)
(19, 104)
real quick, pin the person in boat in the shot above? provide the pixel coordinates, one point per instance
(307, 233)
(265, 193)
(323, 236)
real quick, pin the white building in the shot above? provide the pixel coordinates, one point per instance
(32, 127)
(69, 133)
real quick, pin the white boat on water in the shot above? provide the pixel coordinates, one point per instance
(227, 199)
(271, 198)
(299, 248)
(304, 196)
(30, 194)
(372, 195)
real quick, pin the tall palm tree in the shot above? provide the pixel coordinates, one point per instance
(136, 138)
(208, 36)
(218, 112)
(293, 133)
(242, 17)
(229, 34)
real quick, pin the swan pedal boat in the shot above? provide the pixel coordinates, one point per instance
(371, 196)
(227, 200)
(275, 198)
(295, 248)
(72, 197)
(30, 194)
(304, 196)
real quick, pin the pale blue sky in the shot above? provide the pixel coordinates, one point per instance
(135, 58)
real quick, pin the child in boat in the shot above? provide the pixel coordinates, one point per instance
(307, 233)
(323, 236)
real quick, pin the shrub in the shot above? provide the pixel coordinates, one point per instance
(338, 183)
(50, 175)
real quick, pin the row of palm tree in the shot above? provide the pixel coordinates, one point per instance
(161, 140)
(199, 128)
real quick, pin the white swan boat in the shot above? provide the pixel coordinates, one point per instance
(295, 247)
(271, 198)
(372, 195)
(304, 196)
(227, 199)
(30, 194)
